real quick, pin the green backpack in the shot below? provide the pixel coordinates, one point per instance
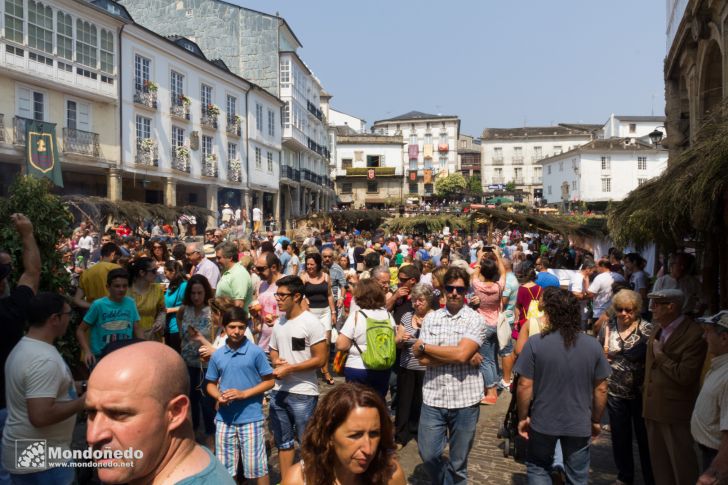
(381, 350)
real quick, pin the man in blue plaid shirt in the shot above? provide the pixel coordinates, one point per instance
(453, 387)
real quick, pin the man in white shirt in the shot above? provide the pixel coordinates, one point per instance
(227, 215)
(257, 219)
(298, 347)
(600, 290)
(200, 264)
(41, 395)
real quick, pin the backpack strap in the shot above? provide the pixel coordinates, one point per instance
(353, 340)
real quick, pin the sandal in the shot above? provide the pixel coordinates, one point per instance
(329, 379)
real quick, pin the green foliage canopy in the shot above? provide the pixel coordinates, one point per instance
(453, 184)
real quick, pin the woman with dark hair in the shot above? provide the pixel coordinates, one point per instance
(317, 289)
(349, 440)
(195, 328)
(634, 264)
(527, 292)
(370, 299)
(172, 300)
(148, 296)
(488, 284)
(157, 250)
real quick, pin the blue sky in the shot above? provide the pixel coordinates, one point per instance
(495, 63)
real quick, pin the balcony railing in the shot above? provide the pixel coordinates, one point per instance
(498, 180)
(518, 180)
(19, 130)
(234, 170)
(208, 119)
(80, 142)
(297, 175)
(378, 171)
(498, 161)
(287, 172)
(145, 94)
(2, 128)
(147, 152)
(209, 167)
(315, 111)
(180, 161)
(180, 109)
(537, 179)
(517, 160)
(233, 127)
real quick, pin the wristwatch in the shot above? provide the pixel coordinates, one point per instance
(421, 348)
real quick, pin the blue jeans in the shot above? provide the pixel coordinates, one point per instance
(489, 349)
(455, 427)
(288, 413)
(376, 379)
(540, 458)
(52, 476)
(4, 475)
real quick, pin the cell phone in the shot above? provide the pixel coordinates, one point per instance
(488, 249)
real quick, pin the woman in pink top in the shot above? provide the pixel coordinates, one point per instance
(488, 284)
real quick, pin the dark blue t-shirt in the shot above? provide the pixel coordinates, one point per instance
(544, 279)
(563, 382)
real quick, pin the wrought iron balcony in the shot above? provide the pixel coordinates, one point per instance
(180, 109)
(498, 180)
(180, 161)
(209, 167)
(297, 175)
(147, 152)
(233, 127)
(498, 160)
(287, 172)
(145, 93)
(315, 111)
(80, 142)
(517, 160)
(2, 128)
(19, 130)
(518, 180)
(208, 119)
(234, 170)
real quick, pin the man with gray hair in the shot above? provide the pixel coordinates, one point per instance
(201, 265)
(235, 281)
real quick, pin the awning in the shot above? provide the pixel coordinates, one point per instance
(346, 199)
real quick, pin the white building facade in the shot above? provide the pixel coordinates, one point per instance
(623, 126)
(430, 148)
(339, 118)
(600, 171)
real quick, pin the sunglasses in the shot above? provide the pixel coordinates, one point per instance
(260, 269)
(622, 310)
(460, 289)
(281, 296)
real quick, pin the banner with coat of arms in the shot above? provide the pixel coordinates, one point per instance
(428, 176)
(371, 174)
(42, 151)
(413, 175)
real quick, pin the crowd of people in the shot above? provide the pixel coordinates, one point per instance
(204, 350)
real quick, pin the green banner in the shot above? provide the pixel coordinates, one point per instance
(41, 155)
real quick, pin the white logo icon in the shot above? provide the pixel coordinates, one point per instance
(30, 454)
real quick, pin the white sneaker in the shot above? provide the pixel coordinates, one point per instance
(505, 385)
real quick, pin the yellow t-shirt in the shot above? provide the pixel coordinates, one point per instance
(149, 305)
(93, 280)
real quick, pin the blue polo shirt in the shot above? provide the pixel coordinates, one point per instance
(239, 369)
(544, 279)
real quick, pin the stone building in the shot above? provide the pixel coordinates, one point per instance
(263, 49)
(469, 153)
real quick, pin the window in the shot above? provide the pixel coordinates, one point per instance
(373, 161)
(517, 152)
(86, 43)
(232, 151)
(606, 185)
(557, 149)
(498, 173)
(206, 146)
(372, 187)
(428, 164)
(606, 163)
(178, 137)
(176, 87)
(64, 36)
(231, 105)
(285, 73)
(31, 104)
(428, 138)
(561, 166)
(270, 162)
(38, 106)
(258, 117)
(641, 182)
(498, 153)
(107, 51)
(641, 163)
(549, 170)
(205, 96)
(413, 164)
(258, 158)
(14, 21)
(413, 139)
(443, 138)
(428, 189)
(573, 185)
(413, 187)
(549, 190)
(271, 122)
(518, 174)
(443, 162)
(286, 115)
(346, 188)
(77, 115)
(346, 163)
(537, 155)
(40, 27)
(71, 114)
(142, 67)
(143, 128)
(633, 127)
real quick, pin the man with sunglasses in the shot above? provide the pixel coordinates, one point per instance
(399, 302)
(453, 387)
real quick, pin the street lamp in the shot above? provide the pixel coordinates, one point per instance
(656, 135)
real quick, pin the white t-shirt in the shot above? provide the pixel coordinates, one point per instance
(638, 280)
(86, 242)
(293, 340)
(257, 215)
(602, 288)
(35, 369)
(355, 328)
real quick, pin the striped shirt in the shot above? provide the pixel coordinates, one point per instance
(452, 386)
(407, 359)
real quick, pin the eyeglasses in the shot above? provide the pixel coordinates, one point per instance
(281, 296)
(260, 269)
(622, 310)
(190, 253)
(460, 289)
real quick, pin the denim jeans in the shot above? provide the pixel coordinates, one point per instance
(290, 413)
(625, 417)
(4, 475)
(489, 350)
(376, 379)
(52, 476)
(456, 427)
(540, 458)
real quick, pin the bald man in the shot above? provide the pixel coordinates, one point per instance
(137, 398)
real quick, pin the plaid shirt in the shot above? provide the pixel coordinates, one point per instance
(452, 386)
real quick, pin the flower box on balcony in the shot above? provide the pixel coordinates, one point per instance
(234, 170)
(443, 148)
(363, 171)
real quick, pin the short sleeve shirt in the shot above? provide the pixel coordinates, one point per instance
(12, 316)
(110, 321)
(602, 288)
(293, 340)
(236, 283)
(149, 304)
(240, 369)
(710, 417)
(355, 328)
(510, 291)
